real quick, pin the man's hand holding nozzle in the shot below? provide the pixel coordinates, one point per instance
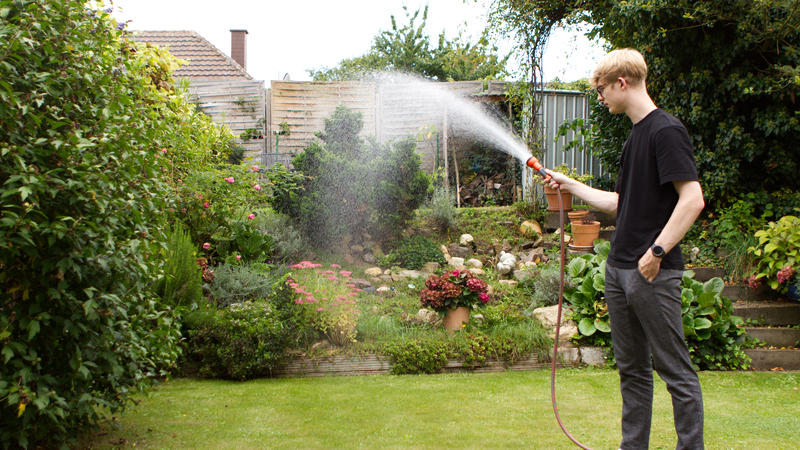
(559, 180)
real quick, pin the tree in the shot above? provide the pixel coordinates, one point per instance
(408, 48)
(730, 70)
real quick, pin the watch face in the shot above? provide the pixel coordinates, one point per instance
(658, 250)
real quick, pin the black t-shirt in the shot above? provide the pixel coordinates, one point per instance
(657, 152)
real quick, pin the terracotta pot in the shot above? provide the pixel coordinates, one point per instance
(584, 234)
(577, 215)
(455, 317)
(552, 199)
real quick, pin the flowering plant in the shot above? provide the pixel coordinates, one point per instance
(777, 254)
(453, 289)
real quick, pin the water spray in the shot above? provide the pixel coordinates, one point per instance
(534, 164)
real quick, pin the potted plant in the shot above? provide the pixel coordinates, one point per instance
(552, 196)
(584, 231)
(453, 295)
(777, 256)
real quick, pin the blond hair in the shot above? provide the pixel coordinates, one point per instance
(627, 63)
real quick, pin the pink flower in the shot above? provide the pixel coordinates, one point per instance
(238, 257)
(206, 246)
(257, 187)
(206, 205)
(229, 180)
(332, 278)
(320, 309)
(336, 266)
(299, 301)
(329, 272)
(251, 216)
(345, 273)
(484, 297)
(293, 285)
(200, 196)
(254, 168)
(164, 151)
(785, 274)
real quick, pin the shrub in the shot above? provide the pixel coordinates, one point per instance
(82, 201)
(544, 285)
(181, 283)
(778, 248)
(354, 188)
(443, 211)
(238, 283)
(414, 252)
(242, 341)
(288, 243)
(415, 356)
(710, 328)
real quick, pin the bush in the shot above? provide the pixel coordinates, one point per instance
(82, 199)
(354, 188)
(181, 283)
(415, 356)
(711, 330)
(242, 341)
(543, 286)
(238, 283)
(414, 252)
(443, 211)
(778, 248)
(288, 243)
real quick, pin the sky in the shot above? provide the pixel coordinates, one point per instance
(287, 37)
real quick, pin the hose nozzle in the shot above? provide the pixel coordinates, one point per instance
(534, 164)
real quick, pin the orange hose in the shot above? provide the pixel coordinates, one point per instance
(558, 328)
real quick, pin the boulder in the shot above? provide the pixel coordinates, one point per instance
(383, 291)
(369, 258)
(457, 263)
(406, 274)
(466, 240)
(507, 262)
(459, 251)
(426, 316)
(356, 249)
(477, 272)
(593, 356)
(373, 272)
(361, 283)
(530, 228)
(430, 267)
(547, 316)
(476, 263)
(524, 273)
(509, 283)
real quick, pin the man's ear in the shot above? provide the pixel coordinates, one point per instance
(622, 82)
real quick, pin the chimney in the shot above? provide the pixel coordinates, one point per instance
(239, 47)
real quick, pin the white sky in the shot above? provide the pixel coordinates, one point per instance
(291, 36)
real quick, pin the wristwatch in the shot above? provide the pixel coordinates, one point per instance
(658, 251)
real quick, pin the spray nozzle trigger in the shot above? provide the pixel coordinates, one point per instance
(534, 164)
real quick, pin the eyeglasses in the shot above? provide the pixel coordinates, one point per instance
(600, 88)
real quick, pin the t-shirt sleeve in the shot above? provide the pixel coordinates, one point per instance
(674, 155)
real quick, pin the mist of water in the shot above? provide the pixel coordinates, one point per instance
(465, 117)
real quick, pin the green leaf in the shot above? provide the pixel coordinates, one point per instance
(707, 299)
(602, 325)
(701, 323)
(576, 267)
(715, 285)
(586, 326)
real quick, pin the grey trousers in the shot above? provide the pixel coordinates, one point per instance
(646, 322)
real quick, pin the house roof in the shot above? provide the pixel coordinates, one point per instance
(206, 62)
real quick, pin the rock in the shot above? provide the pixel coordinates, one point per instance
(530, 228)
(387, 272)
(369, 258)
(385, 278)
(459, 251)
(509, 283)
(373, 272)
(348, 258)
(466, 240)
(426, 316)
(383, 291)
(361, 283)
(457, 263)
(593, 356)
(476, 263)
(506, 263)
(568, 353)
(524, 274)
(477, 272)
(356, 249)
(430, 266)
(444, 250)
(407, 273)
(547, 316)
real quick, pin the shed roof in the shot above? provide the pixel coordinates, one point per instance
(206, 62)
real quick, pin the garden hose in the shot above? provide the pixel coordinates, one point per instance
(534, 164)
(558, 326)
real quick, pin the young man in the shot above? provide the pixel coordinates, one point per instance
(656, 199)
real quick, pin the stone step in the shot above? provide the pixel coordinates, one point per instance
(775, 313)
(775, 337)
(770, 359)
(744, 292)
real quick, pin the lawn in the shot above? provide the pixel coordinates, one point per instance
(744, 410)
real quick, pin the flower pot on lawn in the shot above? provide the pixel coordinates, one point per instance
(584, 234)
(552, 199)
(455, 317)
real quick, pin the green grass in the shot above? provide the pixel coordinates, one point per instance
(744, 410)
